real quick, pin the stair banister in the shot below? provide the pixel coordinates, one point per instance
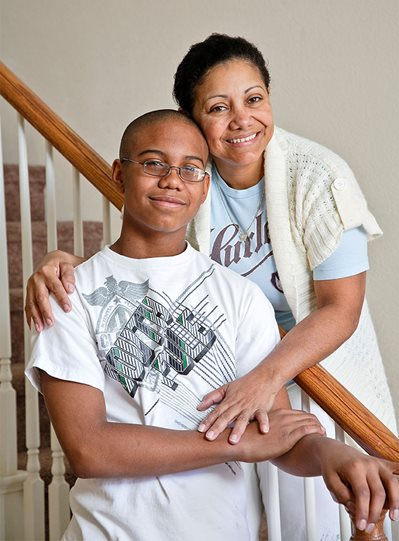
(90, 164)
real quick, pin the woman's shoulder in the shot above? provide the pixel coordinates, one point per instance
(302, 153)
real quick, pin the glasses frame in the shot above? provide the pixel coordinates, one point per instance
(169, 167)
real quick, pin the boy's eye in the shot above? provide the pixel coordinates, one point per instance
(154, 164)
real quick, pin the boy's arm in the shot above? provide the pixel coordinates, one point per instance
(98, 448)
(358, 481)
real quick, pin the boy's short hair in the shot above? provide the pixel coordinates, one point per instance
(147, 119)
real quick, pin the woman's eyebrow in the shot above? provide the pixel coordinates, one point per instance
(226, 96)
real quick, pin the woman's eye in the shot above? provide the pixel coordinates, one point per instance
(255, 99)
(218, 109)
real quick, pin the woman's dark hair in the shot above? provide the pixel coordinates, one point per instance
(201, 57)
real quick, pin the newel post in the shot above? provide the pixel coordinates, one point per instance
(376, 535)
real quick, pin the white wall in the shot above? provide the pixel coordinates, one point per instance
(335, 79)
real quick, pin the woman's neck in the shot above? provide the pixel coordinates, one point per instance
(240, 176)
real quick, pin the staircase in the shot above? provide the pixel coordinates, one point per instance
(92, 243)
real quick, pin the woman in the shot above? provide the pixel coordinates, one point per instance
(288, 214)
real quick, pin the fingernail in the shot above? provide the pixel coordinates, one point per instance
(394, 514)
(201, 427)
(71, 289)
(38, 327)
(370, 527)
(210, 435)
(264, 429)
(233, 439)
(362, 524)
(66, 308)
(49, 322)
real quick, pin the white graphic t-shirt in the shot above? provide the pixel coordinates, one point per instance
(156, 335)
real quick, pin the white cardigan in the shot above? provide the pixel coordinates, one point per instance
(312, 196)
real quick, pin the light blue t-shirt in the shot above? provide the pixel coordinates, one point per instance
(253, 258)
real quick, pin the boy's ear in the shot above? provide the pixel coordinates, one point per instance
(117, 176)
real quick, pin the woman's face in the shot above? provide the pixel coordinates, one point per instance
(232, 108)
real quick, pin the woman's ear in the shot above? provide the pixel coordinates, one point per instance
(117, 175)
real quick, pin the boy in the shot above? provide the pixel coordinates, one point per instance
(154, 327)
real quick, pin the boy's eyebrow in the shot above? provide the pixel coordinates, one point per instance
(163, 155)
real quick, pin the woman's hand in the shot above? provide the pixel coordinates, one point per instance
(241, 401)
(54, 274)
(339, 303)
(365, 485)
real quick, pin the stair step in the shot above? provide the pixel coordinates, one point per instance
(92, 232)
(36, 189)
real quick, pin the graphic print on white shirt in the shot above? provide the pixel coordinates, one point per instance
(148, 340)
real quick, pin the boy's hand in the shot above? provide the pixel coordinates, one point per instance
(362, 483)
(287, 427)
(55, 275)
(241, 401)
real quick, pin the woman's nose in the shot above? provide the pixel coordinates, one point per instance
(241, 118)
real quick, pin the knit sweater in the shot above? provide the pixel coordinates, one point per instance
(312, 196)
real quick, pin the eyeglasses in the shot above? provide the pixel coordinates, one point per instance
(156, 168)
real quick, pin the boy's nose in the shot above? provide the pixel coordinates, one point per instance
(172, 178)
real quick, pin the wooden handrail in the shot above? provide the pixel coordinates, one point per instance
(355, 419)
(340, 404)
(90, 164)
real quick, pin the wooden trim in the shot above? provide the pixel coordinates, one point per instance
(59, 134)
(364, 427)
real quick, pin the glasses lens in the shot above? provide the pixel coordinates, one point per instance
(156, 168)
(191, 174)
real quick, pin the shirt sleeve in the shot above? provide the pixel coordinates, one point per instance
(67, 350)
(258, 332)
(349, 258)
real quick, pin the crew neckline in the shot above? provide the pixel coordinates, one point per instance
(125, 261)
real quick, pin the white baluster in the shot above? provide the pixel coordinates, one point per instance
(106, 222)
(309, 488)
(58, 490)
(344, 520)
(273, 504)
(8, 405)
(11, 480)
(78, 246)
(33, 486)
(50, 204)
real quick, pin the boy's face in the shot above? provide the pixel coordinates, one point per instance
(164, 204)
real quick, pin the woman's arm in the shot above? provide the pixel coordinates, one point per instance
(339, 304)
(53, 275)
